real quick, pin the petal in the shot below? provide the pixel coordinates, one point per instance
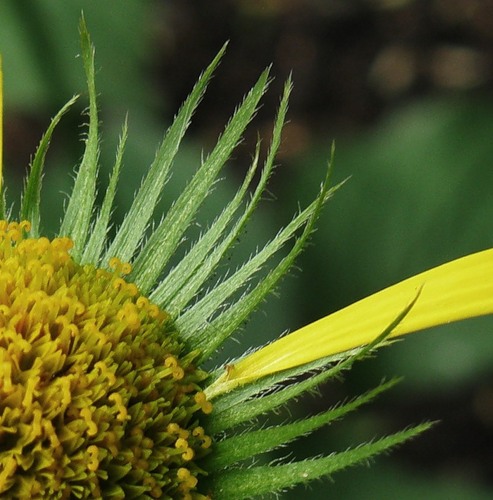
(451, 292)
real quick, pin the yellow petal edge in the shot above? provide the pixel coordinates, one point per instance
(457, 290)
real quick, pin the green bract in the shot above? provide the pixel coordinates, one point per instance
(102, 391)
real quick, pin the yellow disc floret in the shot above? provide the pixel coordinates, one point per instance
(97, 397)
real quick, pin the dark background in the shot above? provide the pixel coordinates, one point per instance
(405, 90)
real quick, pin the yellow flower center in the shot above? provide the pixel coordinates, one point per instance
(97, 397)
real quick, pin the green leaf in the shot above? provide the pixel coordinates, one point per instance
(209, 334)
(183, 282)
(249, 444)
(166, 238)
(132, 230)
(31, 197)
(245, 483)
(78, 213)
(203, 258)
(95, 245)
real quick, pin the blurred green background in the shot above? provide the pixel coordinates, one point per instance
(405, 90)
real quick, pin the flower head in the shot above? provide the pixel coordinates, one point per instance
(103, 343)
(97, 395)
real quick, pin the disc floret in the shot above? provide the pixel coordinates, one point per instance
(97, 395)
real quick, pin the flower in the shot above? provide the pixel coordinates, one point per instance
(102, 345)
(93, 380)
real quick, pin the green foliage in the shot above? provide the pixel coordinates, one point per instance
(131, 232)
(246, 445)
(78, 214)
(99, 232)
(31, 200)
(246, 483)
(164, 241)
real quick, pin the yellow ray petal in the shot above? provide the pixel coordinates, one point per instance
(451, 292)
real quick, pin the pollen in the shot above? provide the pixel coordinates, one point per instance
(98, 398)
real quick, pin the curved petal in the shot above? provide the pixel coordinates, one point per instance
(451, 292)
